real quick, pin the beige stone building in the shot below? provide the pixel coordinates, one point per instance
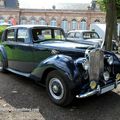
(68, 16)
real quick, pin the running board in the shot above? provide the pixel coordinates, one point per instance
(19, 73)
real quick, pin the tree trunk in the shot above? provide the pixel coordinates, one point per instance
(110, 22)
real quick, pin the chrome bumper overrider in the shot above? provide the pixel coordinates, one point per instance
(99, 90)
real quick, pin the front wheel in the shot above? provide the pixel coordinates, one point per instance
(58, 88)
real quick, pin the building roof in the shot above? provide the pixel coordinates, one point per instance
(72, 6)
(61, 6)
(11, 3)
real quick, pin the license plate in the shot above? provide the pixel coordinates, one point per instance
(108, 88)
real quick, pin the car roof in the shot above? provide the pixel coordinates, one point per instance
(81, 31)
(32, 26)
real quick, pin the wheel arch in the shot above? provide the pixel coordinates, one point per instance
(60, 63)
(45, 74)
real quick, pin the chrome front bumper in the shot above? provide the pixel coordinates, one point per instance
(99, 90)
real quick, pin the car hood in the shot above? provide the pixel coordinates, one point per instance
(94, 42)
(72, 49)
(64, 44)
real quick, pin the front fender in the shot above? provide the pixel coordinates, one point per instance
(62, 63)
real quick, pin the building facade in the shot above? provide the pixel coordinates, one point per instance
(68, 16)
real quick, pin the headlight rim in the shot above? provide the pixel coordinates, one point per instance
(106, 75)
(110, 60)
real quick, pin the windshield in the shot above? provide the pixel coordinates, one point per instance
(90, 35)
(41, 34)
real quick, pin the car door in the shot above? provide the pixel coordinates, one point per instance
(23, 53)
(9, 45)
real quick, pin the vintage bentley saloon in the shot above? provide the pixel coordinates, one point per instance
(66, 69)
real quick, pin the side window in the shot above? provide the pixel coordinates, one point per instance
(58, 34)
(23, 36)
(77, 35)
(10, 35)
(71, 35)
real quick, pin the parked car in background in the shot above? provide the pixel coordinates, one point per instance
(89, 37)
(101, 30)
(65, 68)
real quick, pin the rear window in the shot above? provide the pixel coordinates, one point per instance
(10, 35)
(22, 35)
(90, 35)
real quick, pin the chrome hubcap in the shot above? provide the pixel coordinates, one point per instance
(56, 88)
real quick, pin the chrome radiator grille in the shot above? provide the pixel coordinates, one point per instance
(96, 60)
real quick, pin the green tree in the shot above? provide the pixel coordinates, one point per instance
(112, 8)
(2, 28)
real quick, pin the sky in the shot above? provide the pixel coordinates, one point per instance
(45, 3)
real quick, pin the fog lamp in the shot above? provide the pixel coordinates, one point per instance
(93, 84)
(110, 60)
(118, 77)
(85, 64)
(106, 76)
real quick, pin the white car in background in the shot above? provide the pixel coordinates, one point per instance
(88, 37)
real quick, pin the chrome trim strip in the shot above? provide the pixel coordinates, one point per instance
(19, 73)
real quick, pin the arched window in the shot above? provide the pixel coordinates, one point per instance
(53, 22)
(97, 21)
(42, 22)
(83, 24)
(23, 20)
(64, 25)
(32, 21)
(74, 25)
(2, 20)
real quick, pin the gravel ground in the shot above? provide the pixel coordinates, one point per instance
(22, 99)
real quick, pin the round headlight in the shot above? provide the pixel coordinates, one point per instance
(106, 75)
(85, 64)
(110, 60)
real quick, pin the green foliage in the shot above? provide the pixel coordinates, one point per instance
(2, 28)
(118, 8)
(102, 4)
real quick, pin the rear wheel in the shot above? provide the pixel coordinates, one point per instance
(58, 88)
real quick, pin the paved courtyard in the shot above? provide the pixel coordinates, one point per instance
(22, 99)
